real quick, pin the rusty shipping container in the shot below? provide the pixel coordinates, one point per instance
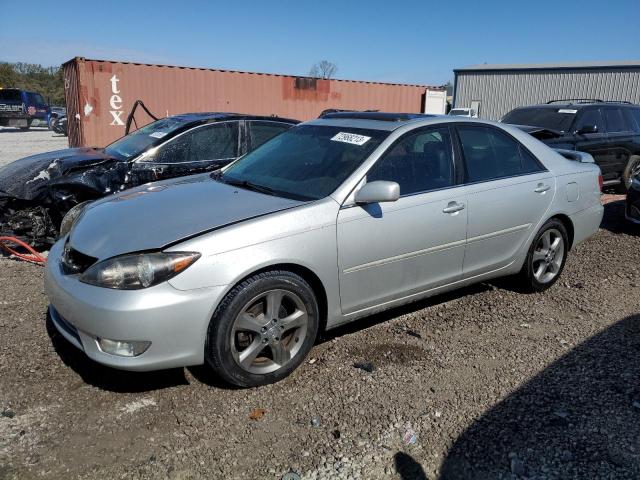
(100, 95)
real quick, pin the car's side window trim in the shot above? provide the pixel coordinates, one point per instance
(520, 144)
(421, 130)
(209, 124)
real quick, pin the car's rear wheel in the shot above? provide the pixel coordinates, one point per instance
(263, 329)
(546, 257)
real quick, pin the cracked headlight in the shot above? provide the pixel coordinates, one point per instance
(140, 270)
(71, 217)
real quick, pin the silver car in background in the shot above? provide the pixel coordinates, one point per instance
(330, 221)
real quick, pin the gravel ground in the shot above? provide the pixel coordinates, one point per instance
(490, 383)
(15, 143)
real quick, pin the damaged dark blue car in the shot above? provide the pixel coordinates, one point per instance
(37, 191)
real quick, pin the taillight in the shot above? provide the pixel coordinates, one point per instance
(600, 181)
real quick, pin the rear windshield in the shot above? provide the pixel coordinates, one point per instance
(10, 95)
(559, 119)
(307, 162)
(148, 136)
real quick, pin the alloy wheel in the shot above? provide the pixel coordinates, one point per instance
(269, 331)
(548, 256)
(634, 172)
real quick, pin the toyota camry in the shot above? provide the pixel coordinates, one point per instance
(332, 220)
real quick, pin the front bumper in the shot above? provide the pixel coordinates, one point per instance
(174, 321)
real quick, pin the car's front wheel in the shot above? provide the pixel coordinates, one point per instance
(631, 171)
(546, 257)
(263, 329)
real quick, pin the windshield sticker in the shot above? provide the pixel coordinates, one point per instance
(351, 138)
(158, 134)
(567, 110)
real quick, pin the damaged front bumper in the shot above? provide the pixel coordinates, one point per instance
(26, 221)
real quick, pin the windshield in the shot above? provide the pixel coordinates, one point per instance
(146, 137)
(307, 162)
(559, 119)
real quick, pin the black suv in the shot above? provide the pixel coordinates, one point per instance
(609, 131)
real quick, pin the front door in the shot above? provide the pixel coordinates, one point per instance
(621, 139)
(392, 250)
(595, 144)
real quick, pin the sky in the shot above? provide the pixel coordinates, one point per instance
(390, 41)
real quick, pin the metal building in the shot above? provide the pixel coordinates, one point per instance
(494, 90)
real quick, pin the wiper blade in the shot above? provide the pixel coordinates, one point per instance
(248, 185)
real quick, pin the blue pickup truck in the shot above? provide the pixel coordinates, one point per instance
(23, 109)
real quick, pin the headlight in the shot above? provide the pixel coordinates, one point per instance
(140, 270)
(71, 217)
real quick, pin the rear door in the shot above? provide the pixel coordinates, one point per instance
(508, 192)
(392, 250)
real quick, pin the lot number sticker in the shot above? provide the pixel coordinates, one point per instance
(351, 138)
(158, 134)
(567, 110)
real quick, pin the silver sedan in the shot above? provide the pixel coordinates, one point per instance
(330, 221)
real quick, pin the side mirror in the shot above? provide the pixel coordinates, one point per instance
(378, 192)
(587, 129)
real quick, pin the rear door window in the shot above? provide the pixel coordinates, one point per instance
(218, 141)
(615, 120)
(591, 116)
(263, 131)
(420, 161)
(490, 154)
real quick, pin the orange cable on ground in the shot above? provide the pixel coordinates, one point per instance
(33, 256)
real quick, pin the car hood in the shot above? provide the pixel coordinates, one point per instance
(158, 214)
(28, 177)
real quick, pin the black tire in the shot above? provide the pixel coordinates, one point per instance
(527, 276)
(632, 169)
(219, 349)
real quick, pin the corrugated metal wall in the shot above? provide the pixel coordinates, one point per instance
(501, 91)
(101, 94)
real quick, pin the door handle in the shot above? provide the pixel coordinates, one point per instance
(453, 207)
(542, 188)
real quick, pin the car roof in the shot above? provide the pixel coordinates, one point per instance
(375, 120)
(218, 116)
(579, 104)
